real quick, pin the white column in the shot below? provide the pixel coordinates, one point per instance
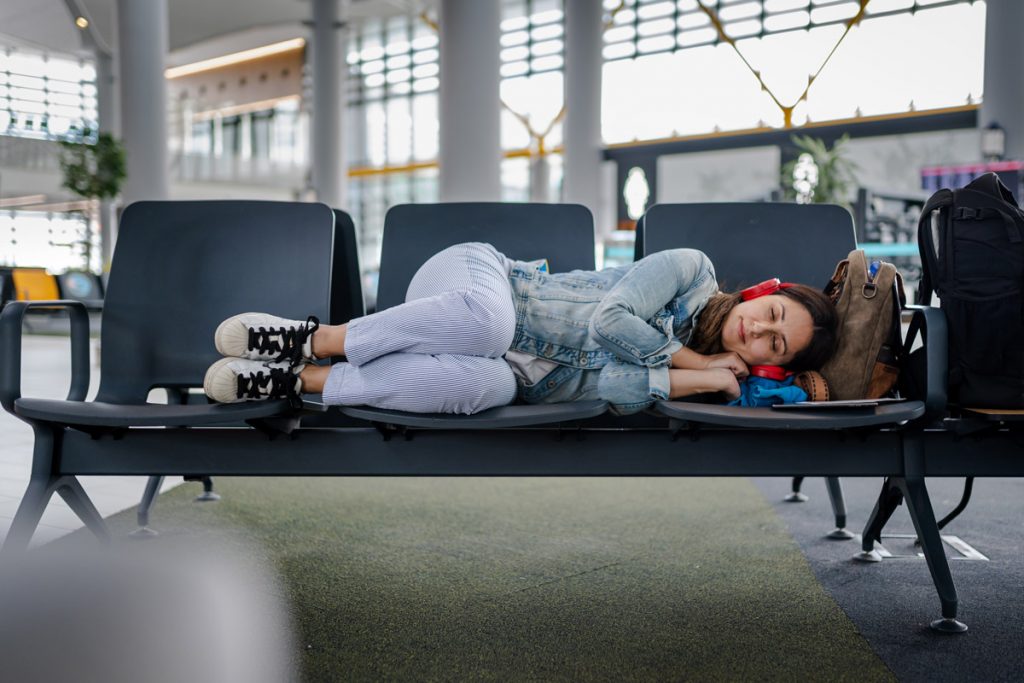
(540, 179)
(142, 37)
(329, 66)
(1003, 99)
(106, 91)
(218, 135)
(106, 112)
(245, 132)
(584, 29)
(469, 103)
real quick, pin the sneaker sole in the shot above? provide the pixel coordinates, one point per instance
(222, 387)
(232, 338)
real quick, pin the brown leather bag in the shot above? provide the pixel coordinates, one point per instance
(866, 362)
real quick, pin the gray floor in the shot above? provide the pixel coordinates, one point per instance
(892, 602)
(46, 373)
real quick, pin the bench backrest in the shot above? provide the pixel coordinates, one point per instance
(561, 233)
(180, 268)
(753, 241)
(347, 281)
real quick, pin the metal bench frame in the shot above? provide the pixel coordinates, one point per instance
(904, 443)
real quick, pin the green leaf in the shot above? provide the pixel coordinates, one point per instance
(92, 170)
(836, 173)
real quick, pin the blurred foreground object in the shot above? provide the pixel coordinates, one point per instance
(143, 614)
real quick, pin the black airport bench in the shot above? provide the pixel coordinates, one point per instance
(227, 257)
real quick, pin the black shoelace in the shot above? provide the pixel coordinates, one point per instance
(286, 342)
(275, 383)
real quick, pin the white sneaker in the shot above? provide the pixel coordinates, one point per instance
(233, 380)
(260, 336)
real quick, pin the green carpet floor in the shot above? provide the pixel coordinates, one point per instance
(534, 579)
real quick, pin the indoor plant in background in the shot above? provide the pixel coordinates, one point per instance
(819, 174)
(93, 171)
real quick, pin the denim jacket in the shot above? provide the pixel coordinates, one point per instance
(611, 332)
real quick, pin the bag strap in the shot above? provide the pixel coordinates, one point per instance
(926, 244)
(834, 287)
(899, 302)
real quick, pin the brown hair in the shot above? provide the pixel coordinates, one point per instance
(707, 336)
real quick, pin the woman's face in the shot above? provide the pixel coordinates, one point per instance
(769, 330)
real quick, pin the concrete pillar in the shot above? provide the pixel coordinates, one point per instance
(469, 103)
(584, 29)
(106, 94)
(329, 66)
(540, 179)
(106, 113)
(142, 39)
(1003, 99)
(245, 133)
(218, 135)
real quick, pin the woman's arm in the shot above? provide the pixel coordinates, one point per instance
(620, 322)
(689, 382)
(630, 388)
(688, 359)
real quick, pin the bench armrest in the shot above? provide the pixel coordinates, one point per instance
(10, 349)
(931, 323)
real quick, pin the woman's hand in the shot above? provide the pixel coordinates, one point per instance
(690, 382)
(725, 381)
(731, 361)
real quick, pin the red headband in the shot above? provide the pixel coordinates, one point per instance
(764, 289)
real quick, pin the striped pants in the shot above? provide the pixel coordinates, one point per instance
(441, 351)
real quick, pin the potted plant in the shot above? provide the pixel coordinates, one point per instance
(819, 174)
(92, 170)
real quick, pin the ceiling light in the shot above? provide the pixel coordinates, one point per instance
(235, 58)
(82, 23)
(24, 200)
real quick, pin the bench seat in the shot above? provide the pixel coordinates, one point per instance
(494, 418)
(767, 418)
(97, 414)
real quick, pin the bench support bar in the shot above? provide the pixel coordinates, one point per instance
(43, 483)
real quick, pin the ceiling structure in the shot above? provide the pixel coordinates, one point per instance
(49, 24)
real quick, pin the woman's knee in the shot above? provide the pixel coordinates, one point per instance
(495, 387)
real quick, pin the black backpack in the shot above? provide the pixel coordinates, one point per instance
(972, 256)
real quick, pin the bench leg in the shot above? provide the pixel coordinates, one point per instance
(41, 486)
(923, 516)
(795, 496)
(888, 500)
(34, 502)
(37, 493)
(835, 494)
(26, 519)
(153, 485)
(78, 500)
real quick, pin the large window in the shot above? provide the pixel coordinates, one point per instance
(56, 241)
(668, 71)
(393, 108)
(45, 95)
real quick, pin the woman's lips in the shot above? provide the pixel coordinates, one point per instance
(743, 335)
